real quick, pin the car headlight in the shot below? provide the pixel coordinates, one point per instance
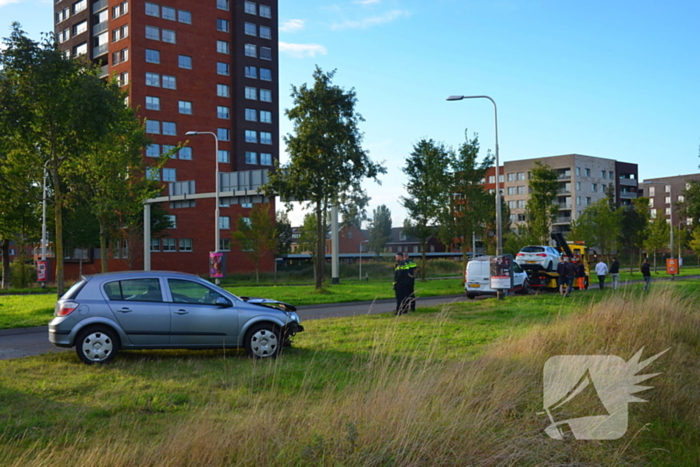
(293, 316)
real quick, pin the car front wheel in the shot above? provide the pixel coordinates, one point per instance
(263, 341)
(97, 345)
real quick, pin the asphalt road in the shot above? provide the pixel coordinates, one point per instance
(25, 342)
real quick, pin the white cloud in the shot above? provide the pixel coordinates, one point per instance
(7, 2)
(293, 25)
(372, 21)
(302, 50)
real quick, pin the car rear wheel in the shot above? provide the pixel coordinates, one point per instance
(526, 287)
(263, 341)
(97, 345)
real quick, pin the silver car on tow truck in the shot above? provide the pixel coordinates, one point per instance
(105, 313)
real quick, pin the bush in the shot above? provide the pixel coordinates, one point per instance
(22, 274)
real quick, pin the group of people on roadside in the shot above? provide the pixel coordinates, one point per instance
(567, 271)
(404, 282)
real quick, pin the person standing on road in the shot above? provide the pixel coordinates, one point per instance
(580, 273)
(571, 271)
(602, 270)
(412, 270)
(615, 272)
(400, 285)
(646, 272)
(562, 271)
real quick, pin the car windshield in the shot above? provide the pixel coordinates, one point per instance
(532, 249)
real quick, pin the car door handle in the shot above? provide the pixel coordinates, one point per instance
(181, 312)
(124, 310)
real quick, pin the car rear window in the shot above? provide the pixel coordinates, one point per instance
(532, 249)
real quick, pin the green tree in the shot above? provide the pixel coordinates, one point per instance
(541, 208)
(256, 235)
(65, 111)
(379, 229)
(284, 234)
(427, 171)
(657, 236)
(599, 226)
(327, 162)
(691, 206)
(471, 206)
(694, 242)
(635, 219)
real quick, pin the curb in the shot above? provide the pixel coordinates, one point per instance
(16, 331)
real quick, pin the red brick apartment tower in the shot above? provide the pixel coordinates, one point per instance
(206, 66)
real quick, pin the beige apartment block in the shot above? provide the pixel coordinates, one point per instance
(582, 181)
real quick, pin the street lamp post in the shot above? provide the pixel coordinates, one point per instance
(216, 193)
(499, 233)
(361, 243)
(499, 226)
(670, 194)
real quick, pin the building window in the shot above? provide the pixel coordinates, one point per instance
(265, 32)
(169, 128)
(120, 33)
(222, 47)
(511, 204)
(265, 11)
(251, 115)
(251, 136)
(152, 56)
(578, 201)
(265, 74)
(185, 154)
(251, 93)
(224, 134)
(224, 222)
(185, 107)
(511, 190)
(155, 244)
(169, 244)
(521, 190)
(652, 191)
(120, 56)
(80, 28)
(265, 116)
(578, 186)
(521, 203)
(667, 200)
(224, 155)
(152, 9)
(152, 33)
(224, 244)
(153, 79)
(173, 221)
(265, 137)
(184, 16)
(681, 199)
(169, 36)
(184, 61)
(251, 72)
(251, 50)
(588, 172)
(123, 78)
(222, 68)
(266, 53)
(169, 175)
(250, 8)
(222, 112)
(594, 187)
(222, 25)
(185, 244)
(251, 157)
(266, 95)
(168, 13)
(588, 200)
(222, 4)
(64, 35)
(250, 29)
(610, 175)
(602, 174)
(169, 82)
(153, 127)
(511, 177)
(153, 150)
(222, 90)
(521, 175)
(265, 158)
(79, 6)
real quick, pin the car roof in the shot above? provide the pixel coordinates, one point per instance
(138, 274)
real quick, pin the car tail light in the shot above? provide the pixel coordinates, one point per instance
(519, 254)
(542, 255)
(66, 308)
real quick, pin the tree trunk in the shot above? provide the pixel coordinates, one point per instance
(424, 245)
(257, 275)
(6, 274)
(104, 254)
(58, 219)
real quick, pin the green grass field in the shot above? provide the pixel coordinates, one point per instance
(454, 385)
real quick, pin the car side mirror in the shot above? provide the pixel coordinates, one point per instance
(222, 302)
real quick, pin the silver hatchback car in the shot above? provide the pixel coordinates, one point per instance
(104, 313)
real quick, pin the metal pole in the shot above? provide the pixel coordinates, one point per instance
(360, 276)
(43, 228)
(335, 276)
(146, 237)
(670, 194)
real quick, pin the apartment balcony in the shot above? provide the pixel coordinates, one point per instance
(100, 50)
(564, 205)
(99, 6)
(628, 195)
(99, 27)
(562, 220)
(628, 182)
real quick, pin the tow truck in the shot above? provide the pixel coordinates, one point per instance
(576, 251)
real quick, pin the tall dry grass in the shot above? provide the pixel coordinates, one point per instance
(423, 411)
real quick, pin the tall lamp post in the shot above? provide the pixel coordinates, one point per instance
(216, 193)
(499, 227)
(362, 243)
(670, 194)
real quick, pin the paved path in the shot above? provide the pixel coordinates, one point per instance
(24, 342)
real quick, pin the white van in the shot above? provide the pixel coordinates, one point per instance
(477, 278)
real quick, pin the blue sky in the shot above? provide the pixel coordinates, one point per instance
(608, 78)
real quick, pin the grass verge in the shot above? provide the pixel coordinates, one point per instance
(458, 385)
